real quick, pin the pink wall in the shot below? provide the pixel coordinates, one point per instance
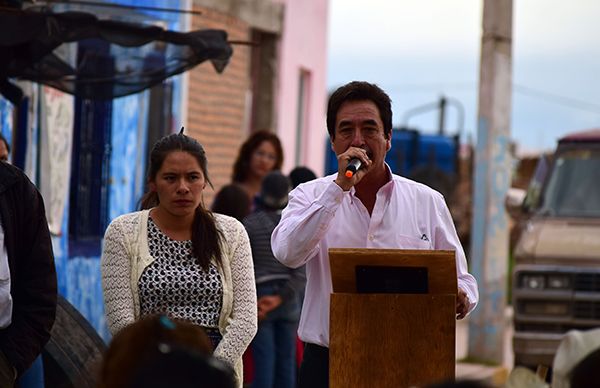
(303, 47)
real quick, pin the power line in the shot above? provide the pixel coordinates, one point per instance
(562, 100)
(517, 88)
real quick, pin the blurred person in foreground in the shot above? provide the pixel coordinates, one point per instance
(157, 352)
(179, 259)
(371, 209)
(278, 288)
(260, 154)
(28, 289)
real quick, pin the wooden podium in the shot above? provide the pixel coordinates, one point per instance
(392, 339)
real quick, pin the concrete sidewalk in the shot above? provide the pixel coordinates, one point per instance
(495, 375)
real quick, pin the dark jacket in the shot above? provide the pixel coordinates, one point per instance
(32, 272)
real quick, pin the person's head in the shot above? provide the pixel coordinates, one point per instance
(360, 91)
(177, 175)
(4, 149)
(232, 200)
(274, 191)
(359, 115)
(156, 351)
(301, 174)
(577, 350)
(461, 383)
(586, 373)
(260, 154)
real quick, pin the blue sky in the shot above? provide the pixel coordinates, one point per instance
(419, 50)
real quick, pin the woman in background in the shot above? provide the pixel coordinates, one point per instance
(178, 259)
(260, 154)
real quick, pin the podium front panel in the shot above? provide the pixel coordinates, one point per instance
(391, 340)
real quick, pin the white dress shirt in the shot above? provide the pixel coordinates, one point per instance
(6, 302)
(320, 215)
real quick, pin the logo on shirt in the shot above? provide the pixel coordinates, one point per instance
(424, 237)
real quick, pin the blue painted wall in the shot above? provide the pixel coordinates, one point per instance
(79, 277)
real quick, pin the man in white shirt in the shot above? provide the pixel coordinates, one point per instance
(370, 209)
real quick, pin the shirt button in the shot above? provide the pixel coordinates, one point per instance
(371, 237)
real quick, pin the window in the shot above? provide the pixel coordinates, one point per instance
(301, 114)
(90, 162)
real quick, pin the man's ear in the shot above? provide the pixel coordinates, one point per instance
(388, 142)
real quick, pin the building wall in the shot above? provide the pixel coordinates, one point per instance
(220, 105)
(217, 103)
(303, 47)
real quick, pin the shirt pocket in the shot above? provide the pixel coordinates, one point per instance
(409, 242)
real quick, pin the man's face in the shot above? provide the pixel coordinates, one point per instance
(3, 152)
(358, 124)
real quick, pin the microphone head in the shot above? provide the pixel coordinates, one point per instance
(352, 167)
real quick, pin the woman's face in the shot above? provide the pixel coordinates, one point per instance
(179, 184)
(263, 159)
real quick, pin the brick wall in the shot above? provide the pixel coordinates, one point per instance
(217, 102)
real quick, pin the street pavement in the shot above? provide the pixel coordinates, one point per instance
(495, 375)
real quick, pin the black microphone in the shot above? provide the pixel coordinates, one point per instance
(353, 167)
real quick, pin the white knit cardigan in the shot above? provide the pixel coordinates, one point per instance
(125, 255)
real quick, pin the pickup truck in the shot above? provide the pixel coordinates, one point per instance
(556, 277)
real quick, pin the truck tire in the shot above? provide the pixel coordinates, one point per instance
(73, 353)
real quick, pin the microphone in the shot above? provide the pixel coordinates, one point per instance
(353, 167)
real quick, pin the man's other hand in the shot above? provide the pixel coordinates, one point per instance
(462, 304)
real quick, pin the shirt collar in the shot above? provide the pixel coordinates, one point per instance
(386, 189)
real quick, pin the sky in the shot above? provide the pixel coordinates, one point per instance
(420, 50)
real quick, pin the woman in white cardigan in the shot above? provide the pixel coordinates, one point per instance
(177, 258)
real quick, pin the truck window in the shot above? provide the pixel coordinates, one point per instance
(573, 189)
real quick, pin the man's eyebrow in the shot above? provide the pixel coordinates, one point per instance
(367, 121)
(370, 122)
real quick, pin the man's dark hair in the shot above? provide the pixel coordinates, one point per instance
(301, 174)
(360, 91)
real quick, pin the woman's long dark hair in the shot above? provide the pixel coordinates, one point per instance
(241, 167)
(206, 238)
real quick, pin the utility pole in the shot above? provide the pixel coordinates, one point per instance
(442, 117)
(489, 244)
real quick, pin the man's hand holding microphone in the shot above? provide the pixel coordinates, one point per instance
(353, 165)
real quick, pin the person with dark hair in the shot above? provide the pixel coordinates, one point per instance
(158, 352)
(577, 360)
(28, 289)
(260, 154)
(179, 259)
(301, 174)
(278, 288)
(367, 207)
(232, 200)
(4, 148)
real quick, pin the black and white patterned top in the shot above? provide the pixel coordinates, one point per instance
(176, 285)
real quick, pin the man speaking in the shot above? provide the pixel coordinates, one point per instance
(363, 205)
